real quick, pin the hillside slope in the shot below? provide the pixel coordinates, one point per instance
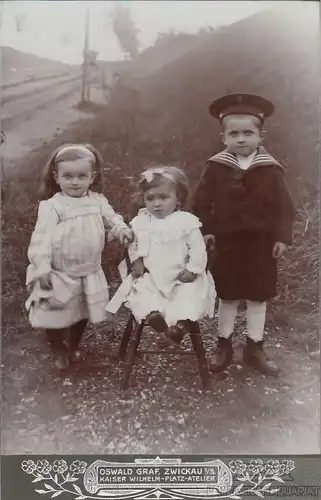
(17, 65)
(166, 50)
(272, 54)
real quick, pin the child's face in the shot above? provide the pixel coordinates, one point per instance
(75, 177)
(162, 200)
(242, 134)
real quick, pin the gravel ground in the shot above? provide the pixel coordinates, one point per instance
(164, 410)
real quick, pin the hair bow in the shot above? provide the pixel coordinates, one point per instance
(149, 175)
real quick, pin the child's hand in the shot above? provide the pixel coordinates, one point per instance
(53, 303)
(278, 249)
(45, 281)
(209, 240)
(127, 237)
(138, 268)
(187, 276)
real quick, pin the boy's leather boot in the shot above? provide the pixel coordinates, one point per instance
(222, 356)
(254, 356)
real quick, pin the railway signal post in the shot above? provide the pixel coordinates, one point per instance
(84, 82)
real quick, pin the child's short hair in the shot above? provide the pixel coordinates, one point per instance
(69, 152)
(259, 123)
(155, 176)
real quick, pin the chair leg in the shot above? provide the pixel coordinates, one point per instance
(198, 347)
(131, 354)
(126, 337)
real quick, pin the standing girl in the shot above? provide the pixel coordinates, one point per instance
(68, 286)
(170, 287)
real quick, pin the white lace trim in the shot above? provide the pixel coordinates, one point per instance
(172, 228)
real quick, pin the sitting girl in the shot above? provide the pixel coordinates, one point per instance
(169, 286)
(68, 286)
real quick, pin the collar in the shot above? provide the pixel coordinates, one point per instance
(87, 193)
(143, 211)
(245, 161)
(261, 158)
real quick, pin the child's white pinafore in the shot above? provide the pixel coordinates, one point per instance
(68, 240)
(168, 246)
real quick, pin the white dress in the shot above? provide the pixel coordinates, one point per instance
(68, 240)
(168, 246)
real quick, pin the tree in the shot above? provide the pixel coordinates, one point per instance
(165, 37)
(125, 30)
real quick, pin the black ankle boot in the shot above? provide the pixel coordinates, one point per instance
(222, 356)
(254, 356)
(178, 332)
(157, 322)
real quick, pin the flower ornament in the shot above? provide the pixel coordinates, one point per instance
(255, 466)
(60, 466)
(28, 466)
(78, 467)
(286, 466)
(44, 467)
(272, 467)
(237, 467)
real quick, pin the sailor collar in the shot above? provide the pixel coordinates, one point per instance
(262, 158)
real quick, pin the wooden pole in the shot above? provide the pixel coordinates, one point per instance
(85, 60)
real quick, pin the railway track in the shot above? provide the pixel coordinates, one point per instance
(37, 95)
(31, 79)
(32, 88)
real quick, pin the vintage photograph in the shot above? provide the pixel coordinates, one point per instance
(160, 227)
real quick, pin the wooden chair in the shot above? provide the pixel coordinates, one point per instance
(131, 338)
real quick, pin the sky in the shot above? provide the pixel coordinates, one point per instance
(55, 29)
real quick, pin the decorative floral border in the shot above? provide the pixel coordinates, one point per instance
(59, 473)
(256, 477)
(253, 477)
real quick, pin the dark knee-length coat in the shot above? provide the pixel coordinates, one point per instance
(247, 211)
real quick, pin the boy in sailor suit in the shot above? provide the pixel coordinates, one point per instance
(247, 213)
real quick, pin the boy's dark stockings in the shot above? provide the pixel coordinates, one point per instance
(56, 337)
(222, 356)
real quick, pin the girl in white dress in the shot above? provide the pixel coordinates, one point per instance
(169, 286)
(68, 286)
